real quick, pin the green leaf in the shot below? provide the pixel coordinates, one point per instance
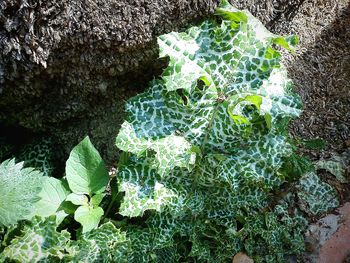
(268, 120)
(60, 216)
(78, 199)
(53, 193)
(104, 244)
(20, 188)
(85, 170)
(255, 100)
(238, 104)
(228, 12)
(96, 199)
(39, 241)
(314, 144)
(335, 166)
(296, 166)
(207, 142)
(68, 207)
(243, 102)
(170, 152)
(142, 191)
(88, 217)
(316, 197)
(287, 42)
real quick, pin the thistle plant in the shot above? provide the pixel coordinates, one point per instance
(207, 140)
(205, 153)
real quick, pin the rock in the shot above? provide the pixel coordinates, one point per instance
(329, 238)
(242, 258)
(67, 67)
(317, 234)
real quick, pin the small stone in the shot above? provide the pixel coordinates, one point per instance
(112, 72)
(242, 258)
(347, 143)
(102, 87)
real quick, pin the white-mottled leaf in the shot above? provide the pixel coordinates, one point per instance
(223, 93)
(171, 151)
(38, 241)
(335, 166)
(220, 114)
(142, 191)
(104, 244)
(316, 197)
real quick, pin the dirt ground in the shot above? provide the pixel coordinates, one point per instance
(320, 70)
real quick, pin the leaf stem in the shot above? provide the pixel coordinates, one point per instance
(114, 198)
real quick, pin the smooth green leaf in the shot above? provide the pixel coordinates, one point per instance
(317, 144)
(68, 207)
(296, 166)
(88, 217)
(60, 216)
(268, 120)
(230, 13)
(96, 199)
(85, 170)
(53, 193)
(78, 199)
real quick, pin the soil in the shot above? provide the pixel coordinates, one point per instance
(320, 70)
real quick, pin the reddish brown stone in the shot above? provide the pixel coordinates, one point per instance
(337, 248)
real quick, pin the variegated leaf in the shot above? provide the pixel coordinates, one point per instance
(104, 244)
(211, 134)
(38, 242)
(316, 197)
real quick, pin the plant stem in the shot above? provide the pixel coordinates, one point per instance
(114, 198)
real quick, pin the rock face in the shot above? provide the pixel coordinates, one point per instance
(67, 66)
